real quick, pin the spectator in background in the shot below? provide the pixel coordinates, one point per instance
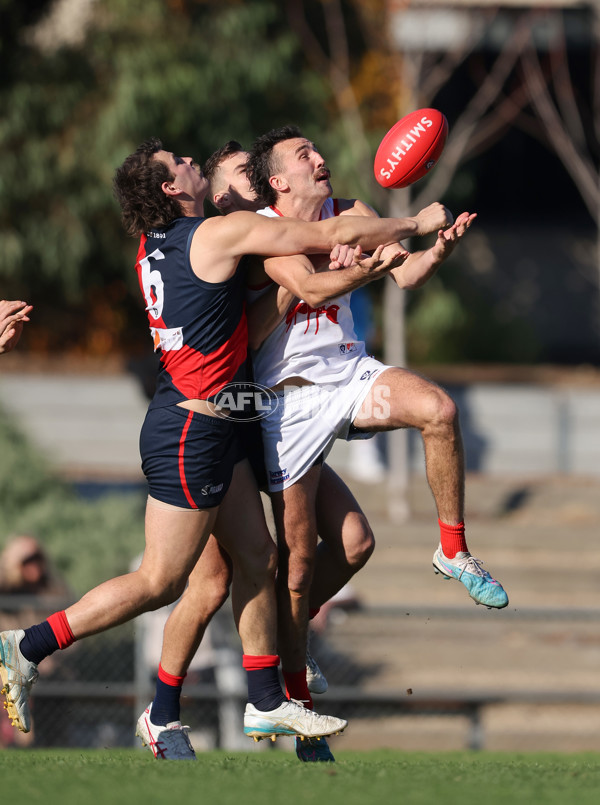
(25, 569)
(29, 587)
(12, 316)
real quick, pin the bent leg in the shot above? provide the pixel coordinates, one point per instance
(174, 541)
(295, 521)
(347, 541)
(205, 594)
(403, 399)
(242, 532)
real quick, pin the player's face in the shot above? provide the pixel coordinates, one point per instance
(303, 168)
(187, 175)
(233, 181)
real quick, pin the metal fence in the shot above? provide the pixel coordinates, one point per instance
(502, 693)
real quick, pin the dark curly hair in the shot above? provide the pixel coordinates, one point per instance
(261, 164)
(137, 187)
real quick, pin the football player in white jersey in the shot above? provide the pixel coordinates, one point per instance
(328, 388)
(230, 191)
(209, 581)
(162, 198)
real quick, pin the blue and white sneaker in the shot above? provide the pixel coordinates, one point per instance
(290, 718)
(170, 742)
(313, 750)
(482, 588)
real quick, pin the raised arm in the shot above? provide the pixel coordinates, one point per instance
(298, 274)
(219, 243)
(421, 266)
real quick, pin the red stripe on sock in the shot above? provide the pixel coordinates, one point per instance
(61, 629)
(296, 687)
(255, 662)
(170, 679)
(453, 539)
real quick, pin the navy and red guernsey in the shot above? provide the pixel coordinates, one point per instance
(199, 327)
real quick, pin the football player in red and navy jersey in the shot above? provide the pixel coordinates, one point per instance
(347, 540)
(188, 269)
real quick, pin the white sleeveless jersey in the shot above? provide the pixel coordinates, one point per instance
(318, 344)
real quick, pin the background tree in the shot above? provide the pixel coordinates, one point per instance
(383, 58)
(78, 97)
(195, 73)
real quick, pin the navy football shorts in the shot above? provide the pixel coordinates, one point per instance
(250, 446)
(187, 457)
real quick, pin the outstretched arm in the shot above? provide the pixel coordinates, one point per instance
(421, 266)
(219, 243)
(298, 274)
(12, 316)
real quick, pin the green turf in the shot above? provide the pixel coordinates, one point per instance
(72, 777)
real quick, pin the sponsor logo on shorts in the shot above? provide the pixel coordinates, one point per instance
(366, 375)
(278, 476)
(244, 401)
(211, 489)
(345, 348)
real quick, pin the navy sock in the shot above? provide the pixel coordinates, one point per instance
(39, 642)
(264, 688)
(165, 707)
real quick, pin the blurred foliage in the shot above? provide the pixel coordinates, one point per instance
(195, 73)
(446, 325)
(88, 542)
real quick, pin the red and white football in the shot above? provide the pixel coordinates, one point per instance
(411, 148)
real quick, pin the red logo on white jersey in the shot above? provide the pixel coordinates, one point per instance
(330, 311)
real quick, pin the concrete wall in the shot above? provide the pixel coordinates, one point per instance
(526, 429)
(89, 425)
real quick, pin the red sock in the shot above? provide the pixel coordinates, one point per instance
(256, 662)
(453, 539)
(296, 687)
(61, 629)
(170, 679)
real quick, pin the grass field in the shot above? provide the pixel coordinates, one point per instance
(72, 777)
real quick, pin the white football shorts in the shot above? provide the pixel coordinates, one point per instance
(305, 421)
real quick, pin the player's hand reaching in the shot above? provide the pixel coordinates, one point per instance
(12, 316)
(431, 218)
(342, 256)
(345, 256)
(383, 259)
(448, 238)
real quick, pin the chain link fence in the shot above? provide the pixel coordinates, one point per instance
(419, 678)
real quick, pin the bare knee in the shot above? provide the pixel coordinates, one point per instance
(300, 571)
(161, 591)
(439, 412)
(217, 591)
(359, 542)
(259, 562)
(210, 594)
